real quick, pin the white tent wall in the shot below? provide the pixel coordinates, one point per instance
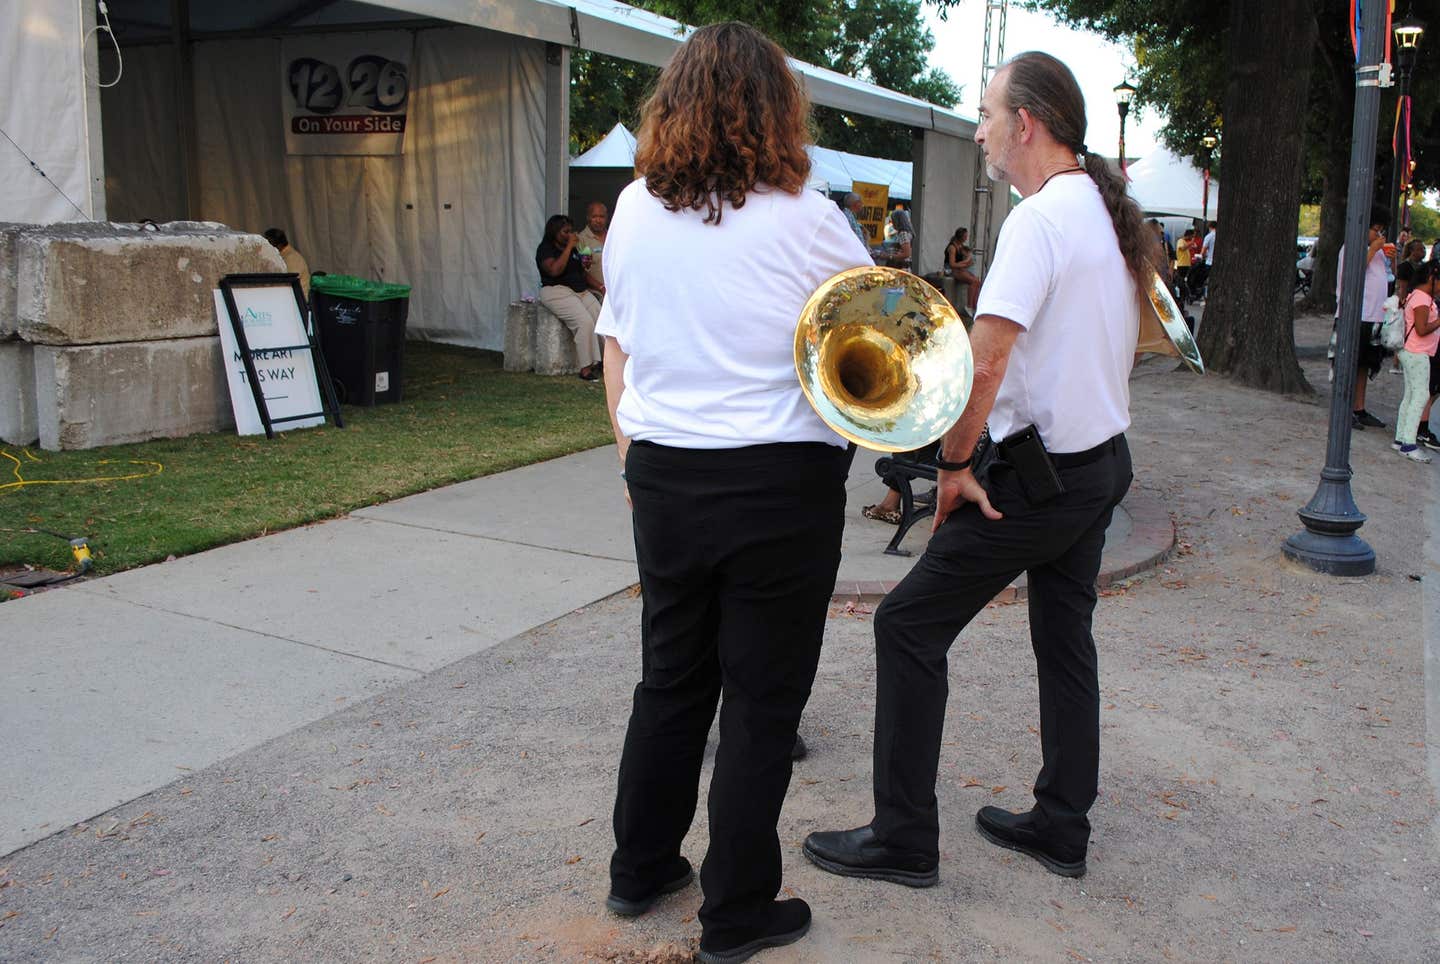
(943, 195)
(50, 114)
(142, 165)
(457, 216)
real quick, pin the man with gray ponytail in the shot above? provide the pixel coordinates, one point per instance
(1054, 340)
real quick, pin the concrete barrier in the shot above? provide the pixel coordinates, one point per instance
(18, 424)
(535, 340)
(520, 336)
(9, 235)
(92, 395)
(77, 285)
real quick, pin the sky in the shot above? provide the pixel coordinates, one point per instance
(1098, 64)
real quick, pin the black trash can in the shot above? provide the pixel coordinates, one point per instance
(361, 328)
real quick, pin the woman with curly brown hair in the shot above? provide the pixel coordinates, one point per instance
(737, 486)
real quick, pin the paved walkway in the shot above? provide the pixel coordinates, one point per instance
(393, 736)
(115, 686)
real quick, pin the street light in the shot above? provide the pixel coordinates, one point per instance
(1124, 93)
(1407, 40)
(1209, 140)
(1329, 542)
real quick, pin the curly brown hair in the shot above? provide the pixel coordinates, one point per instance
(726, 115)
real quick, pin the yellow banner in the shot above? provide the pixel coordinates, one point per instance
(875, 203)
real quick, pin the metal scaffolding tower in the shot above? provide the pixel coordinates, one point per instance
(982, 211)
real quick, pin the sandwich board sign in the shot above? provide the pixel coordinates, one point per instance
(277, 378)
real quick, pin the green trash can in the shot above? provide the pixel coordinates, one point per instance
(361, 328)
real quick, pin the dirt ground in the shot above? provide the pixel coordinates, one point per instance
(1264, 789)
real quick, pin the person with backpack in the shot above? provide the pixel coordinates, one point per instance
(1422, 335)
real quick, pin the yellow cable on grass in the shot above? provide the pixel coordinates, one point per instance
(155, 469)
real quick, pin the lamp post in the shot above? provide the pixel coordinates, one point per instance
(1329, 542)
(1407, 39)
(1123, 95)
(1209, 140)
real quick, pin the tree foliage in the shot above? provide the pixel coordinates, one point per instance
(1188, 72)
(883, 41)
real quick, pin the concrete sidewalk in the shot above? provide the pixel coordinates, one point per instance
(114, 686)
(331, 744)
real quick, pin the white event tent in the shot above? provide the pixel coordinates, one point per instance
(600, 173)
(1164, 184)
(191, 121)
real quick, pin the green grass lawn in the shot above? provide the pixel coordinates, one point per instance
(462, 417)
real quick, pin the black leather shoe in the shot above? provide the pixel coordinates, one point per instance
(799, 751)
(789, 921)
(627, 907)
(857, 853)
(1016, 831)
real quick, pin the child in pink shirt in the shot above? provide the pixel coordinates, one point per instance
(1422, 335)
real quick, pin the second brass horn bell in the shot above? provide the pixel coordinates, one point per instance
(883, 358)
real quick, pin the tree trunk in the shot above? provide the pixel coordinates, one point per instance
(1335, 69)
(1248, 328)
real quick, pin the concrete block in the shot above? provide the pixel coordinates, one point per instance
(554, 345)
(9, 234)
(87, 396)
(520, 336)
(18, 425)
(122, 284)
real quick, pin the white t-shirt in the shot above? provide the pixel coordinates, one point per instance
(707, 314)
(1377, 282)
(1058, 274)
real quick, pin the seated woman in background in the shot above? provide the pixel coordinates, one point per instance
(958, 260)
(898, 237)
(565, 291)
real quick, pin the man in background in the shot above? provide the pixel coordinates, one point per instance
(1369, 354)
(852, 209)
(294, 260)
(592, 244)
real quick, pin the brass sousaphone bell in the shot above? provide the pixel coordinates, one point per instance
(884, 358)
(1162, 326)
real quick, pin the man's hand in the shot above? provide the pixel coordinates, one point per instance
(954, 489)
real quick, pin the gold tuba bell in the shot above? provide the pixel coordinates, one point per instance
(883, 358)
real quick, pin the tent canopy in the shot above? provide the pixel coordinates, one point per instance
(841, 170)
(615, 149)
(830, 170)
(604, 26)
(1164, 184)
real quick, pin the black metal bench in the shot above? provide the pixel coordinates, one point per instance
(902, 471)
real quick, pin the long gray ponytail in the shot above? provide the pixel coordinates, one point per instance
(1047, 89)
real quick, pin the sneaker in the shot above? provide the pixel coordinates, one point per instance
(1415, 454)
(680, 876)
(1428, 440)
(1017, 831)
(1370, 420)
(789, 921)
(859, 853)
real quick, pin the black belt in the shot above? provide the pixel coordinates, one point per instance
(1068, 460)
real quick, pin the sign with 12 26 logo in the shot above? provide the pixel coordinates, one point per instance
(346, 94)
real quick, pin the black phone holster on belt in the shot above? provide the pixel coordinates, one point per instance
(1034, 469)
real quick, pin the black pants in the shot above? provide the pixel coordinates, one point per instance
(737, 550)
(968, 561)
